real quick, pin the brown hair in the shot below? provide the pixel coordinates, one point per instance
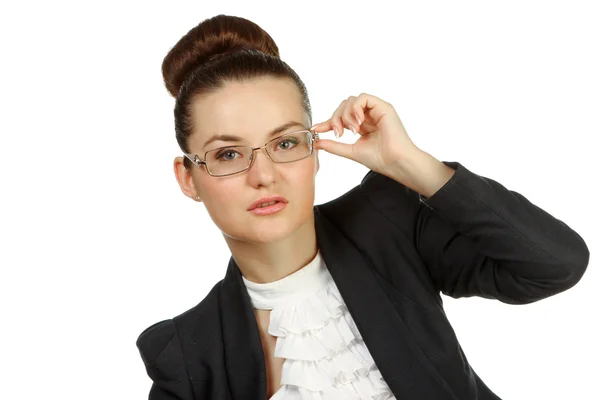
(220, 49)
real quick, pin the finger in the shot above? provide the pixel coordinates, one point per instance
(357, 113)
(351, 115)
(373, 106)
(327, 126)
(339, 149)
(336, 119)
(334, 123)
(349, 123)
(322, 127)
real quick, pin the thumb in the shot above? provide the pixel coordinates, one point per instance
(339, 149)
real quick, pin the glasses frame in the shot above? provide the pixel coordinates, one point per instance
(198, 162)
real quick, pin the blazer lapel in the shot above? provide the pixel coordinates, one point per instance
(402, 364)
(244, 357)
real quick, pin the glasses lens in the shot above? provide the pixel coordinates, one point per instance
(291, 147)
(228, 160)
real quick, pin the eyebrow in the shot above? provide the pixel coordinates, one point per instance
(233, 138)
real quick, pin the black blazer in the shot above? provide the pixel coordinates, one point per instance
(390, 252)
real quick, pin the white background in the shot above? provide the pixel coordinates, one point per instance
(97, 241)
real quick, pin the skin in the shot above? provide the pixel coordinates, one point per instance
(265, 248)
(269, 248)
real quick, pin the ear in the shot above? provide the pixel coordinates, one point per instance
(184, 178)
(317, 161)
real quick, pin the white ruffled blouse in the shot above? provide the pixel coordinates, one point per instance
(325, 355)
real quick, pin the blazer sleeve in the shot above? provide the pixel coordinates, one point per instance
(161, 353)
(477, 238)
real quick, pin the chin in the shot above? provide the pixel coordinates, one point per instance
(260, 236)
(268, 229)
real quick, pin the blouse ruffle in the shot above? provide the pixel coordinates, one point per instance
(325, 355)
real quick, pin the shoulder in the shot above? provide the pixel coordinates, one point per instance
(165, 337)
(376, 196)
(153, 340)
(206, 310)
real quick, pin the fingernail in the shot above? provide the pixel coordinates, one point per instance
(353, 129)
(357, 119)
(337, 132)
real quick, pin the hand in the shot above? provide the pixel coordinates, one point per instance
(383, 144)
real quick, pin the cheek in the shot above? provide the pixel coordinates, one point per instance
(222, 202)
(220, 195)
(303, 179)
(216, 193)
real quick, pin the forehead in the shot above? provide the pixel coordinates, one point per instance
(250, 108)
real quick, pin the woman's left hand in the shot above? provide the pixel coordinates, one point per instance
(383, 144)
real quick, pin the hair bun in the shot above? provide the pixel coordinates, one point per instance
(211, 39)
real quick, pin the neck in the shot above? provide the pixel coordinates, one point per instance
(269, 262)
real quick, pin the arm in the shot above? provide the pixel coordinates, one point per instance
(474, 236)
(161, 352)
(478, 238)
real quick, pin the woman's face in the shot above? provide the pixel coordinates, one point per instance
(251, 110)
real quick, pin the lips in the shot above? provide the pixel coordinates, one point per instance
(267, 200)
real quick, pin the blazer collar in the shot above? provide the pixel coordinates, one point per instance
(402, 364)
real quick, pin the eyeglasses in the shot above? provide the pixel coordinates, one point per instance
(293, 146)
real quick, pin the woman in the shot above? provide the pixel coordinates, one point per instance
(340, 300)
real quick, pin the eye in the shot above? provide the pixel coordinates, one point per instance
(227, 155)
(287, 143)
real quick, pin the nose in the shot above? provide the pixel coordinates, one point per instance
(262, 171)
